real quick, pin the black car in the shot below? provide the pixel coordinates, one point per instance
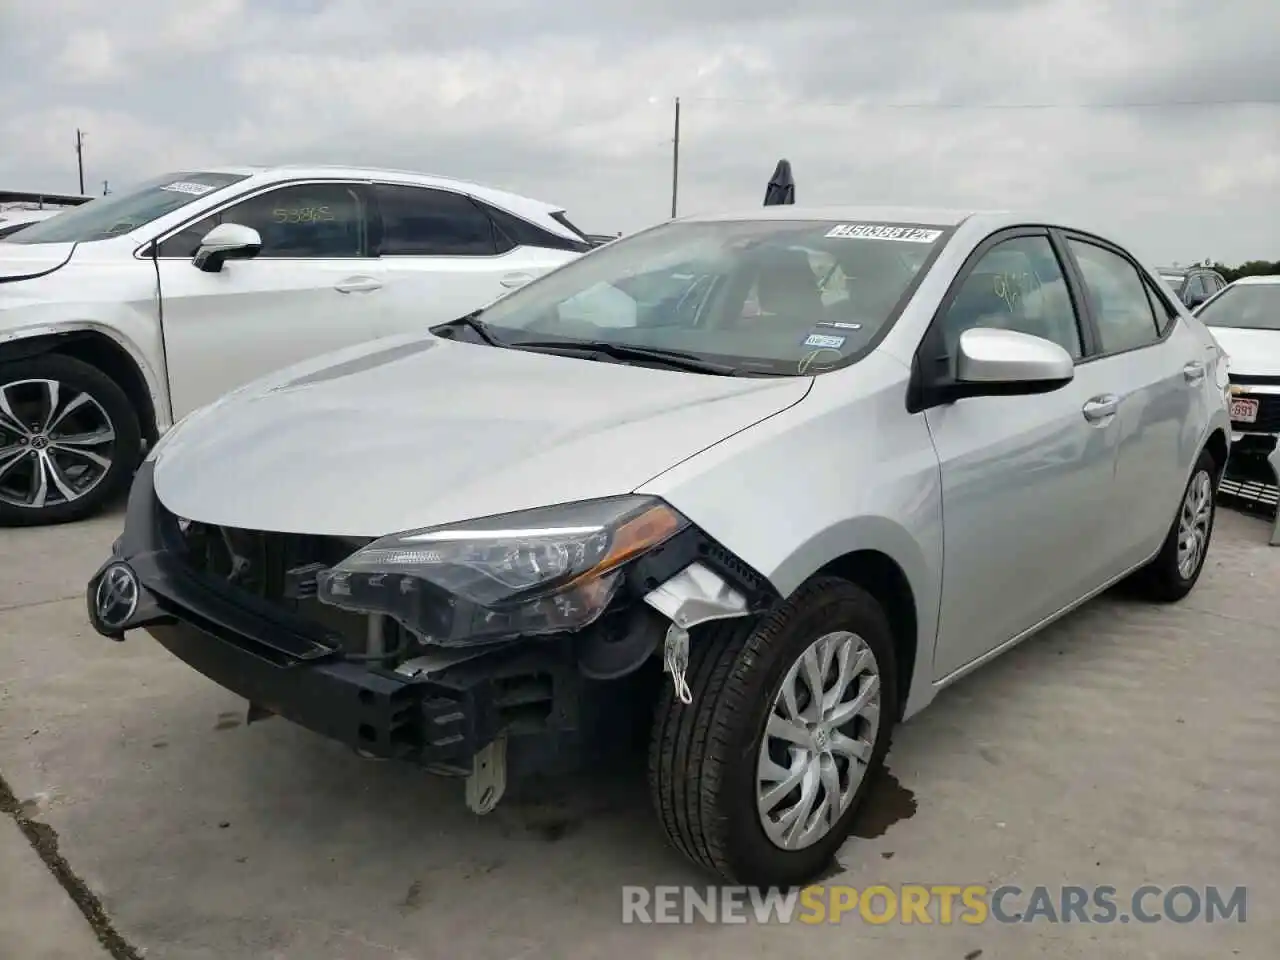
(1193, 285)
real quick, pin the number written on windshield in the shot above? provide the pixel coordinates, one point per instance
(320, 214)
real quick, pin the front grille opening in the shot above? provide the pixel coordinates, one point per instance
(280, 569)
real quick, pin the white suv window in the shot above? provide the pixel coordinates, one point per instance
(424, 222)
(302, 220)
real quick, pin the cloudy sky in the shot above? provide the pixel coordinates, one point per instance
(950, 102)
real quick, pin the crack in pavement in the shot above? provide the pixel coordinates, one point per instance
(44, 840)
(27, 604)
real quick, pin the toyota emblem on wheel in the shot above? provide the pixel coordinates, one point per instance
(116, 598)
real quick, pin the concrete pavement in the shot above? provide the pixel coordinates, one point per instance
(1129, 744)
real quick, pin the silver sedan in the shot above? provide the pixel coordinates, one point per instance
(772, 479)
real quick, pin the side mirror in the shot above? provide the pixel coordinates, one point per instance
(994, 362)
(226, 241)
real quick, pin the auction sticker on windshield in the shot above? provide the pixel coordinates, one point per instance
(184, 186)
(883, 231)
(822, 340)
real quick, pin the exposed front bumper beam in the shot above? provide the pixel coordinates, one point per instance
(375, 711)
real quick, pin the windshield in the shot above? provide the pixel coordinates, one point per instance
(1247, 307)
(781, 298)
(121, 213)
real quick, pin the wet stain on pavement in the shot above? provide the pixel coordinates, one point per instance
(973, 955)
(887, 802)
(553, 829)
(833, 869)
(412, 898)
(160, 744)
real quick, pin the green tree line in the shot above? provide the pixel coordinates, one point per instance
(1250, 268)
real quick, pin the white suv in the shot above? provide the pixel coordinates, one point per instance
(123, 315)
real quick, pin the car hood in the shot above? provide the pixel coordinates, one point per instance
(25, 261)
(415, 431)
(1253, 353)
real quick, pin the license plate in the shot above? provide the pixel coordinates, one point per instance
(1244, 411)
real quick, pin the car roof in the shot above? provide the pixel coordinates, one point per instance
(980, 219)
(1264, 280)
(515, 202)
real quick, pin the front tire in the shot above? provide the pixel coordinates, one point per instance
(69, 440)
(1176, 568)
(758, 780)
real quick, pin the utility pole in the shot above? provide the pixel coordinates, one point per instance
(105, 189)
(675, 161)
(80, 157)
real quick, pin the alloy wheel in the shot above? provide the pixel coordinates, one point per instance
(56, 443)
(1193, 524)
(818, 740)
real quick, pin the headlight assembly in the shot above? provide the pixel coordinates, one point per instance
(535, 572)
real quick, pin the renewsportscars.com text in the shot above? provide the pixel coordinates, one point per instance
(941, 904)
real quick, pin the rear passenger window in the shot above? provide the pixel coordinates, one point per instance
(1118, 296)
(1165, 311)
(1016, 285)
(420, 221)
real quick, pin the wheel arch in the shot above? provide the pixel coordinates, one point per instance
(881, 576)
(899, 568)
(107, 352)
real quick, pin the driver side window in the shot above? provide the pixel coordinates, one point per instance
(315, 220)
(1016, 285)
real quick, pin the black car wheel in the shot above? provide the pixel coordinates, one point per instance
(1175, 569)
(760, 777)
(69, 440)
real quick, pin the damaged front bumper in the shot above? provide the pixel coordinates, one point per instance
(548, 705)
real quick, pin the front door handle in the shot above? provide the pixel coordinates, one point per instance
(1193, 371)
(358, 285)
(515, 279)
(1101, 409)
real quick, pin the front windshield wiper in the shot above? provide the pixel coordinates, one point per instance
(470, 322)
(673, 359)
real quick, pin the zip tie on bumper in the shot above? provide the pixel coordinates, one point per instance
(675, 660)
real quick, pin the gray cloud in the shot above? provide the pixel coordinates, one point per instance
(571, 101)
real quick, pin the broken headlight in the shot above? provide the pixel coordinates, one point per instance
(541, 571)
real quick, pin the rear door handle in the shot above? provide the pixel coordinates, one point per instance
(1193, 371)
(1100, 409)
(516, 279)
(358, 285)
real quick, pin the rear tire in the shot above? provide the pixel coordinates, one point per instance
(1176, 568)
(69, 440)
(706, 758)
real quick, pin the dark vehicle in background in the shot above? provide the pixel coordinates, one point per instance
(1193, 285)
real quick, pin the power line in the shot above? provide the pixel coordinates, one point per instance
(928, 105)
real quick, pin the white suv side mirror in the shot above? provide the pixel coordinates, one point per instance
(226, 241)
